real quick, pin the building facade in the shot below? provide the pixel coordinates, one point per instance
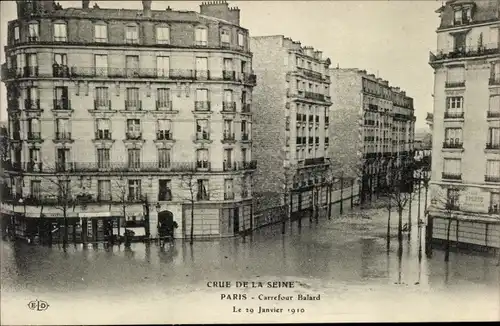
(291, 127)
(373, 130)
(465, 181)
(117, 117)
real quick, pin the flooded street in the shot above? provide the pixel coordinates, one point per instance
(343, 260)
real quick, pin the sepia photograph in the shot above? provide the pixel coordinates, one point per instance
(209, 162)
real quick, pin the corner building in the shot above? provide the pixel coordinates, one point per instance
(465, 180)
(119, 116)
(291, 136)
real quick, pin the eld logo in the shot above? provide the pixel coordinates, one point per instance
(38, 305)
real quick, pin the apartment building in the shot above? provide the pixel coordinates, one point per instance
(465, 181)
(291, 123)
(117, 117)
(373, 130)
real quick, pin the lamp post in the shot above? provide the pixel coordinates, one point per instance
(158, 209)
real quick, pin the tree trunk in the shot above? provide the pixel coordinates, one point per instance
(400, 229)
(409, 213)
(447, 253)
(329, 201)
(191, 236)
(389, 228)
(341, 195)
(65, 237)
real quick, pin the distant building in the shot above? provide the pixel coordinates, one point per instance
(373, 127)
(465, 181)
(139, 111)
(429, 119)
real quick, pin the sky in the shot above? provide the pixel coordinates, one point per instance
(391, 39)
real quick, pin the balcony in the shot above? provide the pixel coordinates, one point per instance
(30, 71)
(492, 178)
(245, 137)
(314, 96)
(202, 196)
(493, 114)
(249, 78)
(249, 165)
(32, 105)
(34, 135)
(62, 104)
(229, 166)
(494, 80)
(310, 73)
(494, 209)
(203, 165)
(455, 84)
(452, 144)
(314, 161)
(463, 52)
(202, 105)
(229, 106)
(63, 136)
(228, 137)
(64, 167)
(246, 108)
(103, 134)
(164, 135)
(229, 75)
(133, 135)
(33, 167)
(493, 145)
(163, 105)
(453, 115)
(451, 176)
(202, 136)
(134, 105)
(60, 71)
(102, 105)
(202, 74)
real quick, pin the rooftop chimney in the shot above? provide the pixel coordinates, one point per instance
(85, 4)
(146, 5)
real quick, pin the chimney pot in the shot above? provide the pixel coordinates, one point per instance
(85, 4)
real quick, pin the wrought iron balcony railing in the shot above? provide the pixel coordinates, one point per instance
(133, 105)
(493, 114)
(463, 52)
(451, 176)
(32, 105)
(229, 75)
(30, 71)
(164, 105)
(164, 135)
(133, 135)
(102, 104)
(494, 80)
(103, 134)
(228, 136)
(60, 71)
(452, 84)
(63, 135)
(202, 105)
(453, 115)
(454, 144)
(62, 104)
(245, 136)
(229, 106)
(34, 135)
(495, 145)
(492, 178)
(246, 108)
(314, 96)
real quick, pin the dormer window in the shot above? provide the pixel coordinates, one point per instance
(131, 34)
(101, 33)
(462, 15)
(241, 40)
(60, 32)
(162, 35)
(16, 34)
(33, 32)
(225, 37)
(201, 36)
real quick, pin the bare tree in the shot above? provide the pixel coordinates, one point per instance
(449, 202)
(189, 183)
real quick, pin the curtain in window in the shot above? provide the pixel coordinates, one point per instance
(202, 155)
(36, 188)
(493, 168)
(228, 96)
(228, 187)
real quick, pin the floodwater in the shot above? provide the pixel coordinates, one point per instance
(342, 262)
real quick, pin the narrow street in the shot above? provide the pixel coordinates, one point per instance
(344, 260)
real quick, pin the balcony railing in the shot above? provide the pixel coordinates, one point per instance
(202, 165)
(202, 196)
(32, 104)
(492, 145)
(202, 106)
(229, 106)
(493, 114)
(310, 73)
(135, 105)
(245, 136)
(229, 136)
(62, 104)
(202, 135)
(494, 80)
(249, 78)
(246, 108)
(103, 134)
(494, 209)
(464, 52)
(228, 196)
(492, 178)
(327, 121)
(30, 71)
(60, 71)
(133, 135)
(164, 135)
(453, 115)
(451, 176)
(249, 165)
(34, 135)
(314, 161)
(63, 135)
(202, 74)
(450, 84)
(229, 166)
(454, 144)
(314, 96)
(164, 105)
(228, 75)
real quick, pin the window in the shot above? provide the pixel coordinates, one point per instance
(244, 155)
(494, 137)
(162, 66)
(132, 102)
(462, 15)
(64, 189)
(62, 158)
(456, 75)
(60, 59)
(33, 32)
(228, 189)
(228, 159)
(202, 132)
(162, 35)
(134, 158)
(32, 60)
(495, 102)
(228, 104)
(134, 190)
(104, 190)
(164, 190)
(453, 136)
(101, 98)
(201, 36)
(103, 161)
(132, 65)
(131, 34)
(60, 32)
(101, 33)
(495, 202)
(225, 37)
(164, 158)
(455, 104)
(16, 34)
(134, 129)
(101, 64)
(202, 102)
(61, 98)
(228, 64)
(62, 129)
(241, 40)
(36, 189)
(202, 68)
(493, 169)
(202, 158)
(103, 129)
(163, 99)
(452, 166)
(164, 129)
(202, 191)
(34, 127)
(228, 129)
(32, 98)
